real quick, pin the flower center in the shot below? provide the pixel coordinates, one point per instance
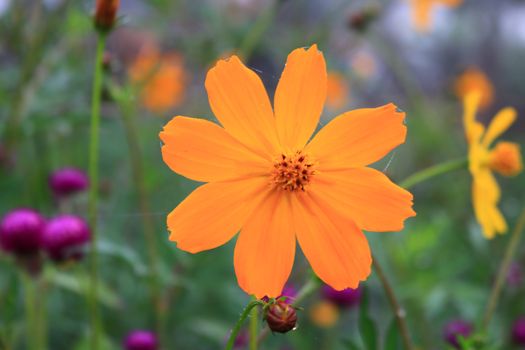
(292, 172)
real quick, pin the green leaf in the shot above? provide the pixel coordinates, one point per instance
(104, 343)
(392, 339)
(350, 345)
(367, 327)
(79, 282)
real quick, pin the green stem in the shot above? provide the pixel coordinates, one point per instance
(254, 318)
(93, 189)
(238, 325)
(399, 313)
(311, 286)
(137, 168)
(433, 171)
(32, 333)
(503, 270)
(254, 36)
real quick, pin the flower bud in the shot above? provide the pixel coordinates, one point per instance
(141, 340)
(64, 238)
(454, 329)
(21, 232)
(106, 14)
(281, 317)
(343, 298)
(66, 181)
(361, 20)
(518, 331)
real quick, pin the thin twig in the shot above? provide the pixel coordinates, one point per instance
(503, 271)
(399, 312)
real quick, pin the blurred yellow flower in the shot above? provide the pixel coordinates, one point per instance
(421, 11)
(473, 79)
(324, 314)
(504, 158)
(338, 90)
(161, 78)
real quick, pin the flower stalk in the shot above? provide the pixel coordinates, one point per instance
(31, 313)
(503, 270)
(433, 171)
(254, 325)
(399, 312)
(235, 331)
(93, 190)
(126, 105)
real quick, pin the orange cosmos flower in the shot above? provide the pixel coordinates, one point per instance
(421, 11)
(266, 178)
(472, 80)
(161, 78)
(337, 90)
(505, 158)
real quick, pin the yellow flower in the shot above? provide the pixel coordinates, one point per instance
(421, 10)
(504, 158)
(473, 79)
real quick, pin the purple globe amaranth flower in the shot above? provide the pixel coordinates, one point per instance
(454, 329)
(21, 232)
(518, 331)
(290, 293)
(64, 237)
(345, 298)
(242, 340)
(66, 181)
(141, 340)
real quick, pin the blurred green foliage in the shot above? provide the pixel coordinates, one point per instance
(440, 265)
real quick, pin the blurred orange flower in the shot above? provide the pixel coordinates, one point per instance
(421, 10)
(160, 77)
(324, 314)
(472, 80)
(265, 178)
(505, 159)
(338, 90)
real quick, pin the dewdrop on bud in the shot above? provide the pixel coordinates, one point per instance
(281, 317)
(106, 14)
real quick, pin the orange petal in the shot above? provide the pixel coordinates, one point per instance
(203, 151)
(358, 137)
(366, 196)
(212, 214)
(335, 247)
(265, 249)
(300, 97)
(238, 99)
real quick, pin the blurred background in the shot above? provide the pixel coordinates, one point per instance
(423, 55)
